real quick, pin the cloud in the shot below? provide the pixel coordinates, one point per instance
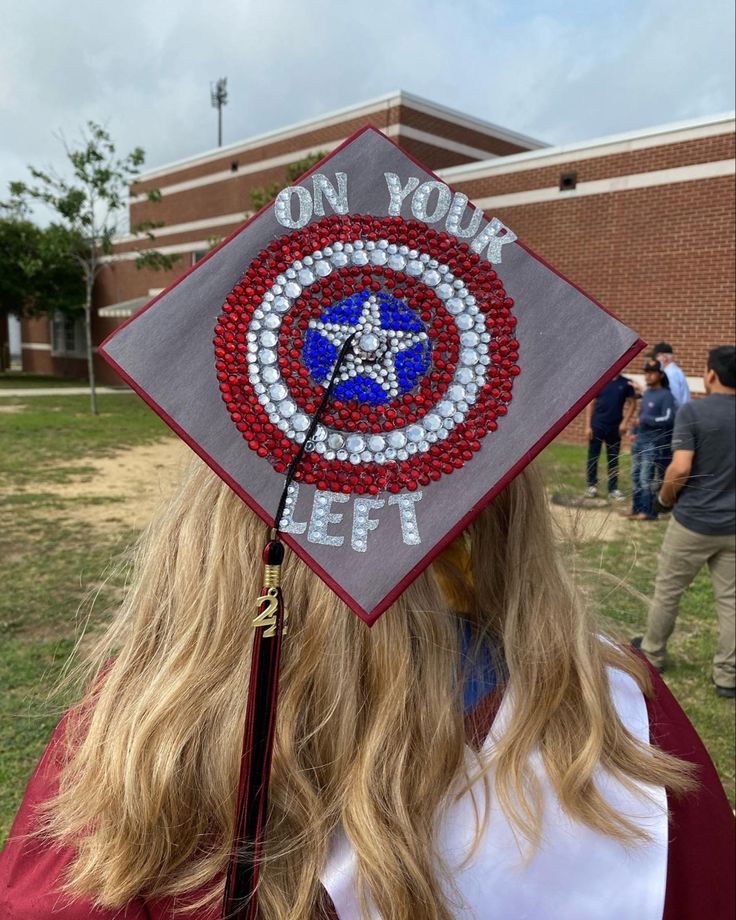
(561, 72)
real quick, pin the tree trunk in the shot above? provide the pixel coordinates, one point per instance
(90, 353)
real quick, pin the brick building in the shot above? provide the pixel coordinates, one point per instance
(642, 221)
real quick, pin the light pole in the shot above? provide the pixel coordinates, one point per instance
(218, 97)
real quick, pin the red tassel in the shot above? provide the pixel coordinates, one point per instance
(241, 895)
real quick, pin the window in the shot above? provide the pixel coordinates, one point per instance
(67, 336)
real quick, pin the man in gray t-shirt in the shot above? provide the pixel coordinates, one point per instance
(702, 480)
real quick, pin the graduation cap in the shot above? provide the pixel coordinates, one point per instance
(367, 362)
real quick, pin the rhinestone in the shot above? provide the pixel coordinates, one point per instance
(339, 259)
(414, 433)
(336, 441)
(397, 263)
(431, 421)
(468, 357)
(376, 443)
(266, 356)
(281, 304)
(287, 408)
(355, 444)
(300, 422)
(360, 258)
(446, 408)
(464, 322)
(354, 459)
(454, 306)
(320, 433)
(306, 276)
(292, 289)
(396, 438)
(469, 338)
(368, 342)
(278, 392)
(379, 257)
(431, 278)
(322, 269)
(444, 291)
(414, 268)
(271, 321)
(268, 339)
(464, 375)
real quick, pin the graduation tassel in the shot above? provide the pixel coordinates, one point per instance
(241, 901)
(241, 884)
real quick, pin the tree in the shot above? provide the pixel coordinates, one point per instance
(89, 206)
(39, 273)
(262, 195)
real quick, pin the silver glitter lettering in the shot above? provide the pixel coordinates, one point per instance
(322, 516)
(421, 197)
(363, 523)
(494, 235)
(288, 524)
(455, 216)
(408, 515)
(397, 193)
(338, 199)
(282, 207)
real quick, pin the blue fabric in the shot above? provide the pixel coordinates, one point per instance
(478, 667)
(608, 410)
(657, 415)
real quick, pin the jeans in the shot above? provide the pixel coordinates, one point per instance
(643, 466)
(612, 439)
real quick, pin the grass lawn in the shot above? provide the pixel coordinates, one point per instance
(51, 559)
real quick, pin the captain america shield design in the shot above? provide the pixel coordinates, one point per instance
(429, 374)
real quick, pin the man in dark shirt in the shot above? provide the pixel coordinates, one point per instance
(604, 424)
(702, 480)
(653, 433)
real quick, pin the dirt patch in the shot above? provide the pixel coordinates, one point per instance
(8, 409)
(126, 488)
(582, 525)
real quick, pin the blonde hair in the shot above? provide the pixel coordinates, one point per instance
(370, 729)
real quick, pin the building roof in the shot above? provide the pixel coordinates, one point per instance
(597, 147)
(397, 97)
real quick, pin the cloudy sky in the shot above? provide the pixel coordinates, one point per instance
(560, 72)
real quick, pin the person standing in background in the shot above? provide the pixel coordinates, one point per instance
(653, 434)
(607, 418)
(702, 480)
(664, 353)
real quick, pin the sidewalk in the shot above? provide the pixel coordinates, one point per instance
(59, 391)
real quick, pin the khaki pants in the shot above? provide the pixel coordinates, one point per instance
(682, 556)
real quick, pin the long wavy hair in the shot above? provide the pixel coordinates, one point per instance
(370, 732)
